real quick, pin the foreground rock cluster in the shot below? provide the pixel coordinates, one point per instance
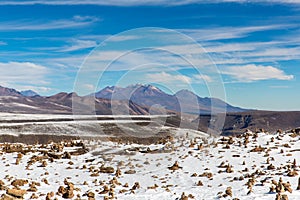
(254, 165)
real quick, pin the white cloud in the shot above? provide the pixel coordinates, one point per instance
(221, 33)
(79, 44)
(164, 77)
(37, 89)
(251, 72)
(22, 72)
(218, 47)
(2, 43)
(203, 77)
(121, 38)
(89, 86)
(75, 22)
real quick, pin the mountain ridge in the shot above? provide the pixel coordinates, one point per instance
(182, 101)
(143, 100)
(138, 99)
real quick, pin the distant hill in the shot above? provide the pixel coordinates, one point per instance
(236, 123)
(9, 92)
(13, 101)
(183, 101)
(29, 93)
(190, 109)
(134, 99)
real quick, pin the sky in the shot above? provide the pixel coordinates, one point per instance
(246, 53)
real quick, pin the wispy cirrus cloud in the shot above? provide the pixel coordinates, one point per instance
(223, 33)
(203, 78)
(36, 25)
(79, 45)
(252, 72)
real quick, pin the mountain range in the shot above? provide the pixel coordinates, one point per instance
(187, 109)
(183, 101)
(134, 99)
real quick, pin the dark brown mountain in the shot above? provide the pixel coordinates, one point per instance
(142, 97)
(9, 92)
(236, 123)
(183, 101)
(66, 103)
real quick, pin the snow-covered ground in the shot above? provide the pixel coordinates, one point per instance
(17, 116)
(200, 174)
(75, 125)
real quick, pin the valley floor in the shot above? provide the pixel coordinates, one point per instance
(189, 162)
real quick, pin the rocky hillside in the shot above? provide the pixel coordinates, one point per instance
(183, 101)
(236, 123)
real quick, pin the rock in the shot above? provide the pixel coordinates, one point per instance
(183, 197)
(2, 185)
(90, 194)
(199, 183)
(7, 197)
(136, 186)
(292, 173)
(105, 190)
(19, 182)
(68, 195)
(298, 187)
(118, 172)
(206, 174)
(34, 196)
(67, 155)
(271, 167)
(54, 155)
(50, 195)
(44, 163)
(32, 188)
(229, 169)
(284, 197)
(107, 170)
(228, 191)
(131, 171)
(16, 192)
(85, 183)
(280, 188)
(258, 149)
(272, 189)
(175, 166)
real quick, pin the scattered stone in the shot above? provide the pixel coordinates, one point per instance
(298, 187)
(105, 190)
(19, 182)
(131, 171)
(183, 197)
(199, 183)
(136, 186)
(16, 192)
(292, 173)
(107, 170)
(175, 166)
(228, 191)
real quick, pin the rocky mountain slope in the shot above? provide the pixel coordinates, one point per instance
(134, 99)
(183, 101)
(62, 103)
(236, 123)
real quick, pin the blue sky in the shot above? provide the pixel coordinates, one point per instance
(245, 53)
